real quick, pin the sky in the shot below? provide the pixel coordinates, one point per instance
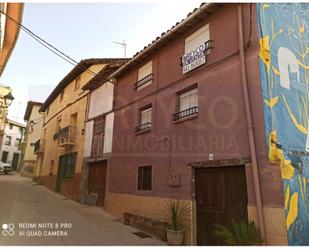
(81, 30)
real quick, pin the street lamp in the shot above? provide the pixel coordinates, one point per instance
(8, 99)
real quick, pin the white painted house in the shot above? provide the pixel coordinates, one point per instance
(10, 148)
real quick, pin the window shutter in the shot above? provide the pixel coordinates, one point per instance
(145, 70)
(197, 38)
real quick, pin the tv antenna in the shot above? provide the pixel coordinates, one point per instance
(124, 45)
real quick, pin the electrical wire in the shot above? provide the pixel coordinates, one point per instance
(49, 46)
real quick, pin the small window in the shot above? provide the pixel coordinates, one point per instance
(4, 157)
(188, 104)
(17, 142)
(11, 126)
(47, 110)
(144, 76)
(77, 83)
(145, 178)
(145, 119)
(61, 95)
(8, 140)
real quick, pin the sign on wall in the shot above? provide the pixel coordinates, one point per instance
(284, 70)
(194, 58)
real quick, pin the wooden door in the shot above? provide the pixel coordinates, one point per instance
(97, 180)
(98, 137)
(221, 195)
(60, 173)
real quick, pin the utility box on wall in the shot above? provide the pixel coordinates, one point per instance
(174, 180)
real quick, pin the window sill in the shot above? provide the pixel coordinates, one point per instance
(193, 116)
(142, 131)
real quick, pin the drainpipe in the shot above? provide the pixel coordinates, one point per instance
(256, 179)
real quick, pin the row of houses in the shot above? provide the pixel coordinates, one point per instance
(186, 118)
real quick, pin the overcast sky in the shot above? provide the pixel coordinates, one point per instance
(81, 30)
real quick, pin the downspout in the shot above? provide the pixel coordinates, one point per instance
(256, 179)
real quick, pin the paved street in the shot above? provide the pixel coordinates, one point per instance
(23, 202)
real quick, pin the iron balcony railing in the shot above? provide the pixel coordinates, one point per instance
(143, 81)
(66, 135)
(143, 127)
(185, 113)
(39, 146)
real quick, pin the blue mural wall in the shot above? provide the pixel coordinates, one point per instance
(284, 69)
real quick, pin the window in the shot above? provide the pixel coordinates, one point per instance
(8, 140)
(144, 76)
(61, 96)
(197, 47)
(196, 39)
(145, 178)
(47, 110)
(57, 128)
(188, 104)
(4, 157)
(98, 137)
(145, 119)
(77, 83)
(73, 119)
(17, 142)
(11, 126)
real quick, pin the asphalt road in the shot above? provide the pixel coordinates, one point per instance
(42, 217)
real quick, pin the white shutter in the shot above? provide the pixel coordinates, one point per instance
(145, 70)
(188, 100)
(146, 116)
(197, 38)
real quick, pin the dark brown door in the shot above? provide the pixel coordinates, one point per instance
(60, 173)
(15, 161)
(221, 195)
(97, 180)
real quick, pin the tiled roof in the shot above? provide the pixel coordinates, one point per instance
(28, 111)
(102, 76)
(194, 17)
(82, 66)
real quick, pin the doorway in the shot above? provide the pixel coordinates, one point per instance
(221, 195)
(97, 181)
(66, 169)
(15, 161)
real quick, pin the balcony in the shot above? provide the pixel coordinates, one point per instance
(186, 113)
(141, 83)
(39, 147)
(143, 127)
(66, 136)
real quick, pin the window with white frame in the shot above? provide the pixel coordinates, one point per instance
(196, 39)
(145, 119)
(188, 100)
(146, 116)
(144, 76)
(188, 104)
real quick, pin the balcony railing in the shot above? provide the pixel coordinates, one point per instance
(39, 147)
(142, 127)
(185, 113)
(143, 81)
(66, 136)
